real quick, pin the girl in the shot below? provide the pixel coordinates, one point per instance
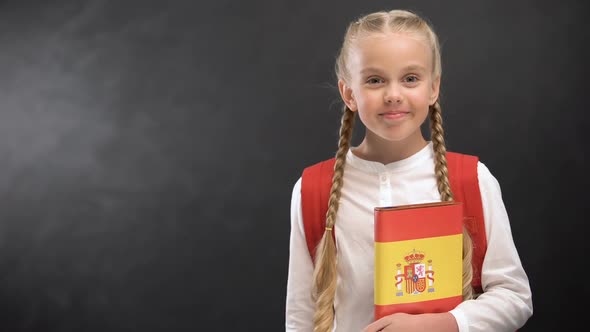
(389, 72)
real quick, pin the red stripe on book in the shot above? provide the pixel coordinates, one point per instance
(432, 306)
(417, 223)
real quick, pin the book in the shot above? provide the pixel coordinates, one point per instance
(418, 258)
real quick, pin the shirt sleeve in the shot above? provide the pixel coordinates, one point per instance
(299, 306)
(506, 301)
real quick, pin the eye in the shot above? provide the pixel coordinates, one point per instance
(374, 80)
(411, 79)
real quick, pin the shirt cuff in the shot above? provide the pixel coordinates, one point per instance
(461, 320)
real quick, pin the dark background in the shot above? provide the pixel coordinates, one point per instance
(148, 150)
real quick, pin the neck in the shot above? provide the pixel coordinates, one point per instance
(374, 148)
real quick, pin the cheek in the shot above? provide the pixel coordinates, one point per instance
(368, 98)
(419, 96)
(365, 118)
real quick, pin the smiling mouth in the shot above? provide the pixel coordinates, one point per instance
(394, 115)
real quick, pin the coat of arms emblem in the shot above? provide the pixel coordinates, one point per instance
(415, 274)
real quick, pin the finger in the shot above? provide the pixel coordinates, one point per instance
(378, 325)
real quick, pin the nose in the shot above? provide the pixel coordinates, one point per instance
(393, 94)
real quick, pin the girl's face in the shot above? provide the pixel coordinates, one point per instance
(391, 85)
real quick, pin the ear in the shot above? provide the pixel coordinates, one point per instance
(347, 96)
(435, 90)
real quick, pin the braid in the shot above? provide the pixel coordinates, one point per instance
(467, 265)
(438, 143)
(325, 275)
(444, 188)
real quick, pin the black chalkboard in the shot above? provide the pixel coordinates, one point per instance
(148, 150)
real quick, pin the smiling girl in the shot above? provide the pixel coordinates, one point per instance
(389, 73)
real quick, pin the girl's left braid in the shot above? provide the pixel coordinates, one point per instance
(438, 143)
(444, 188)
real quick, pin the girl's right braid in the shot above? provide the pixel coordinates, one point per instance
(441, 171)
(325, 273)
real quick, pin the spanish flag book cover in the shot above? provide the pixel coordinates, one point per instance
(418, 258)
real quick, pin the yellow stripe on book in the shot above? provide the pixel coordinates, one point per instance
(418, 270)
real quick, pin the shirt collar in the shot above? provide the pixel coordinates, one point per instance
(396, 166)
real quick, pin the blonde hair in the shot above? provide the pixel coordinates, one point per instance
(325, 273)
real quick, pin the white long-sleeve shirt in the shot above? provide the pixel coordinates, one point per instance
(506, 303)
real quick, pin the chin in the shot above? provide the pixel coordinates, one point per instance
(395, 138)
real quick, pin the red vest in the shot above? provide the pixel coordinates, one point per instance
(315, 191)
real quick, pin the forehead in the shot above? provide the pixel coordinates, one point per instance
(390, 52)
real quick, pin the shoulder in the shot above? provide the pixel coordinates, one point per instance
(453, 155)
(321, 165)
(296, 191)
(487, 181)
(312, 173)
(317, 174)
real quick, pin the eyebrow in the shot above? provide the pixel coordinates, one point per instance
(408, 68)
(415, 68)
(370, 70)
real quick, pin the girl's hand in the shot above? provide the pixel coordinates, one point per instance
(442, 322)
(395, 322)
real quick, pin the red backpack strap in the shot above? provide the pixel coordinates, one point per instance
(465, 187)
(316, 183)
